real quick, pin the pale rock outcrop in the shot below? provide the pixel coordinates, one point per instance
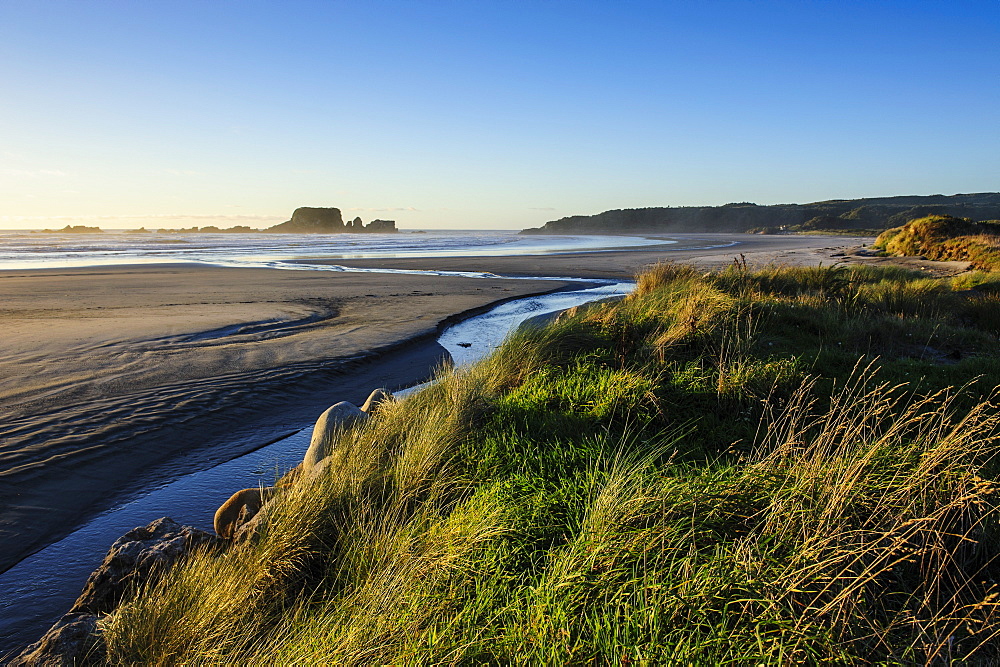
(249, 530)
(241, 507)
(336, 416)
(375, 400)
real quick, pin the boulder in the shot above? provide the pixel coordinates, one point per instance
(241, 507)
(376, 399)
(336, 416)
(138, 558)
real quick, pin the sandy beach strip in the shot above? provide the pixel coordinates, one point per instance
(111, 375)
(758, 249)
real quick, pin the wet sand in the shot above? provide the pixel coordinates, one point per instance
(114, 376)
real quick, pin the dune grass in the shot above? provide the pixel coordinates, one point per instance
(774, 466)
(943, 237)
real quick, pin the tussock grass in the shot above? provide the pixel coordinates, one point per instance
(942, 237)
(764, 466)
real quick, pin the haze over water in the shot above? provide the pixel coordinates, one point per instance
(31, 250)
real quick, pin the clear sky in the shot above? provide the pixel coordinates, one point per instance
(498, 114)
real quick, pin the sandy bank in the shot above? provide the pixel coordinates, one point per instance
(107, 375)
(758, 250)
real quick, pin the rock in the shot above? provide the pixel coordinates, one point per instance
(376, 399)
(289, 477)
(248, 528)
(381, 226)
(73, 640)
(73, 229)
(138, 558)
(325, 464)
(308, 220)
(337, 416)
(241, 507)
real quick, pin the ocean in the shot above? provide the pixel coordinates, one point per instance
(36, 250)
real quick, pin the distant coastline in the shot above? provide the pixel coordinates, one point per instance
(838, 216)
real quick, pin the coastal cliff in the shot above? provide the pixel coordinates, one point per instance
(838, 214)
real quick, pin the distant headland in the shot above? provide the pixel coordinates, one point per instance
(870, 215)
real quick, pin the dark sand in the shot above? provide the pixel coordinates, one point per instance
(112, 377)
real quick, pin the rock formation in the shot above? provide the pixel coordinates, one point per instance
(138, 558)
(73, 229)
(308, 220)
(328, 221)
(381, 226)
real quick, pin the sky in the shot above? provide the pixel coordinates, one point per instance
(484, 115)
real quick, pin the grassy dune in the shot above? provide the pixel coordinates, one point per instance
(942, 237)
(772, 466)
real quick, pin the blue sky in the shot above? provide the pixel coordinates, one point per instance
(485, 114)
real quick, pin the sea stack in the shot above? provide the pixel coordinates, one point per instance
(306, 220)
(384, 226)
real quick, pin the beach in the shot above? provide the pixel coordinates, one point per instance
(117, 377)
(706, 251)
(113, 378)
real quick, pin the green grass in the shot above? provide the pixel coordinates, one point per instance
(767, 467)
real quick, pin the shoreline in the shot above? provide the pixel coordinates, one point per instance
(617, 264)
(73, 452)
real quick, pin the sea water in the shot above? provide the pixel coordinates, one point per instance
(29, 250)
